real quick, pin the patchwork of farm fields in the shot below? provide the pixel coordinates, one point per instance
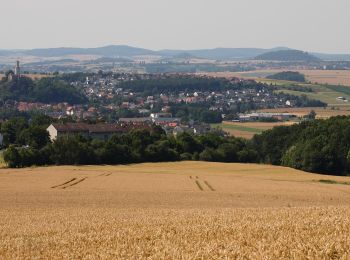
(181, 210)
(330, 77)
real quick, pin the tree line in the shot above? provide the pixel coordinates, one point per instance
(320, 146)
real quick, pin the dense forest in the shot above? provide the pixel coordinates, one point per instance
(320, 146)
(45, 90)
(289, 76)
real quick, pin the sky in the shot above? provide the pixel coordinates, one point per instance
(309, 25)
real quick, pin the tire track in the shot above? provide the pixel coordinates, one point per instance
(53, 187)
(202, 185)
(199, 186)
(106, 174)
(209, 186)
(74, 183)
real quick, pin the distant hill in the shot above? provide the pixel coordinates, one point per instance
(288, 55)
(221, 53)
(124, 51)
(107, 51)
(128, 52)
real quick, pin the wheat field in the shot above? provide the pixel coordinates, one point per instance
(187, 210)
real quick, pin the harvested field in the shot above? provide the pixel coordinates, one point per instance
(321, 113)
(330, 77)
(158, 211)
(249, 129)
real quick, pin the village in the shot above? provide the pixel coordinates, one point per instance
(141, 100)
(107, 94)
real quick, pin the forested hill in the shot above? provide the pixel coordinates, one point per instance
(46, 90)
(288, 55)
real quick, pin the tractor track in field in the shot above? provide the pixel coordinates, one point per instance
(70, 183)
(74, 183)
(209, 186)
(105, 174)
(202, 185)
(63, 184)
(199, 186)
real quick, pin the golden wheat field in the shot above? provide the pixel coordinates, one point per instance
(187, 210)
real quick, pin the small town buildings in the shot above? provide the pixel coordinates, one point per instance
(161, 115)
(201, 129)
(182, 129)
(265, 116)
(136, 120)
(97, 131)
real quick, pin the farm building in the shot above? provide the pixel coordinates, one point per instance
(98, 131)
(260, 116)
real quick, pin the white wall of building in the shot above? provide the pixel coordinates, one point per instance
(52, 132)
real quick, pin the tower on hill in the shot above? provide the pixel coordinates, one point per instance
(17, 70)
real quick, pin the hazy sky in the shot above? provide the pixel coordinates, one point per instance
(312, 25)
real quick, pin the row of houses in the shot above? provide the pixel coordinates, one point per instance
(160, 119)
(95, 131)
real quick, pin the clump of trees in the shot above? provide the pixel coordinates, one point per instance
(289, 76)
(320, 146)
(46, 90)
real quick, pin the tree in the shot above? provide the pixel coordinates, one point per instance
(11, 130)
(35, 136)
(312, 115)
(12, 157)
(72, 150)
(188, 144)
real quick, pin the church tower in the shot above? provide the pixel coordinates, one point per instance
(17, 70)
